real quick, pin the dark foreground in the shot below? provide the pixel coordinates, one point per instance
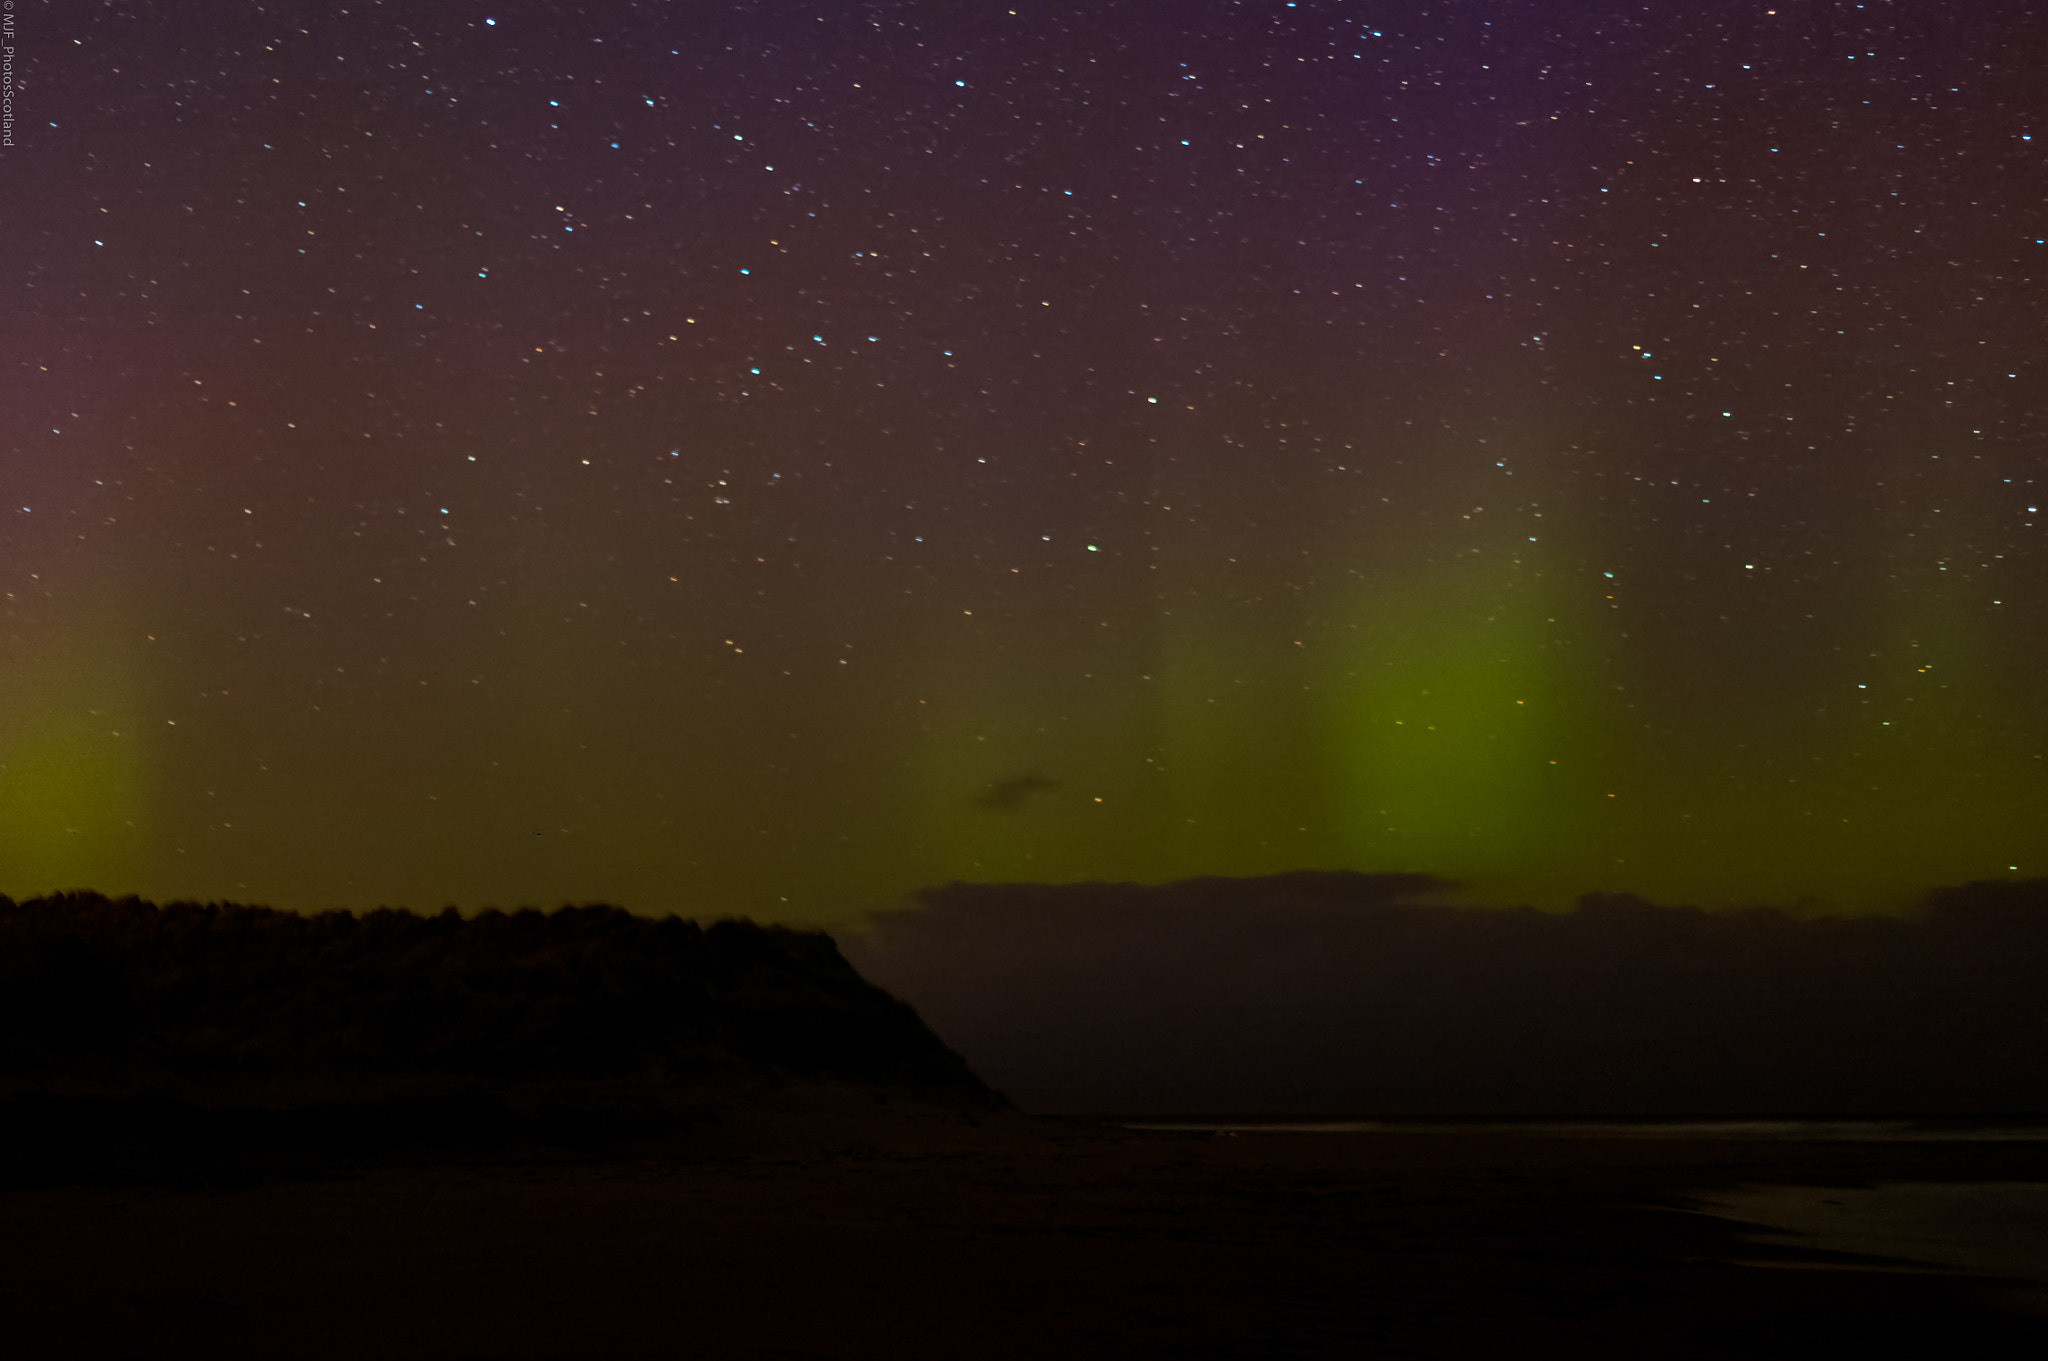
(1004, 1238)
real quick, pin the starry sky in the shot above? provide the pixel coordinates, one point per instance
(768, 457)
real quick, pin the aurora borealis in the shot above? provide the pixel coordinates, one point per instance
(769, 458)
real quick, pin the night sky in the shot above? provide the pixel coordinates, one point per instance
(768, 457)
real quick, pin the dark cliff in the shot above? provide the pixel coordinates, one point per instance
(122, 1023)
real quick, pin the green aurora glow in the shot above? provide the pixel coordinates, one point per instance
(726, 468)
(1487, 717)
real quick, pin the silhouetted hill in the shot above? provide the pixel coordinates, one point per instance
(120, 1020)
(1351, 994)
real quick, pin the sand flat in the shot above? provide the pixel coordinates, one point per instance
(1013, 1239)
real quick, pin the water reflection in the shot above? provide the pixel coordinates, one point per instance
(1883, 1131)
(1982, 1228)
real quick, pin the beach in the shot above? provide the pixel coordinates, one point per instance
(1017, 1237)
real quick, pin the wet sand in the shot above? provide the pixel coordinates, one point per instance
(1009, 1239)
(1983, 1228)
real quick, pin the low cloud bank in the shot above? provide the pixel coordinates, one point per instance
(1337, 993)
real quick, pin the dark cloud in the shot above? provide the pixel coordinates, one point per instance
(1343, 993)
(1007, 796)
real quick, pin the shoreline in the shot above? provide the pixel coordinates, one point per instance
(1016, 1237)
